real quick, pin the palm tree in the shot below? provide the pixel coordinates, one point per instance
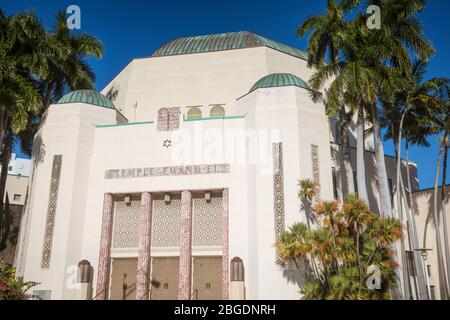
(5, 212)
(354, 85)
(36, 68)
(22, 60)
(443, 95)
(400, 32)
(68, 68)
(441, 120)
(322, 42)
(389, 47)
(348, 239)
(406, 116)
(373, 61)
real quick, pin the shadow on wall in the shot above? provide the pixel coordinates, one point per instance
(38, 152)
(294, 272)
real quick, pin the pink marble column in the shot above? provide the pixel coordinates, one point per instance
(145, 225)
(225, 264)
(104, 259)
(184, 284)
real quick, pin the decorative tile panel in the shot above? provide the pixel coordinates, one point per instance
(125, 224)
(169, 119)
(225, 243)
(163, 119)
(315, 167)
(166, 223)
(174, 119)
(278, 191)
(207, 222)
(51, 211)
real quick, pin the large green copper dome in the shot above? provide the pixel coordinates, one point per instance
(223, 41)
(279, 80)
(87, 96)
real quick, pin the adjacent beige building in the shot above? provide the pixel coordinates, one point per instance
(16, 188)
(423, 204)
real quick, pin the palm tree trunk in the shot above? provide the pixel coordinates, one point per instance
(3, 120)
(306, 207)
(360, 151)
(422, 285)
(444, 217)
(383, 185)
(410, 233)
(399, 249)
(48, 96)
(358, 259)
(399, 168)
(4, 220)
(346, 154)
(442, 275)
(2, 114)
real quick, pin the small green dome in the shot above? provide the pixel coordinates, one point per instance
(87, 96)
(279, 80)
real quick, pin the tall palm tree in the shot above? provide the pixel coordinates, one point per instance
(441, 264)
(322, 44)
(354, 85)
(441, 119)
(372, 63)
(68, 69)
(36, 68)
(23, 58)
(444, 96)
(406, 116)
(400, 33)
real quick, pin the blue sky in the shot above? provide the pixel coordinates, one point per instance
(135, 28)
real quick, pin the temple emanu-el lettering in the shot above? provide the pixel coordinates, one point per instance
(176, 180)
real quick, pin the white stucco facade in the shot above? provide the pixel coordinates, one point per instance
(91, 140)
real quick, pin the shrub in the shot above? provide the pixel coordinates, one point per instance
(12, 288)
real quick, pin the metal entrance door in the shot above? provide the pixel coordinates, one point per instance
(123, 279)
(207, 278)
(164, 280)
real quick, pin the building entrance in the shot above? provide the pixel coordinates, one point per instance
(207, 281)
(164, 279)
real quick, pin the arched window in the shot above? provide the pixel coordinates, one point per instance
(84, 271)
(194, 113)
(237, 272)
(217, 112)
